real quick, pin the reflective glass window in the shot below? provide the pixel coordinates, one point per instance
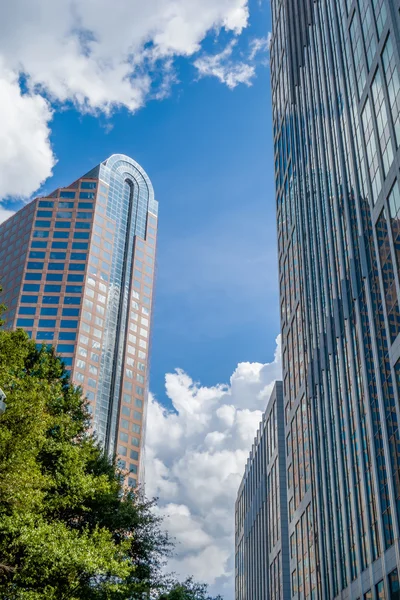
(42, 224)
(75, 277)
(67, 335)
(88, 185)
(58, 255)
(52, 288)
(51, 300)
(78, 255)
(61, 234)
(44, 213)
(77, 266)
(27, 310)
(33, 276)
(81, 234)
(35, 244)
(46, 204)
(65, 205)
(82, 225)
(68, 348)
(47, 323)
(40, 234)
(87, 195)
(48, 311)
(35, 265)
(80, 245)
(72, 300)
(62, 224)
(45, 335)
(31, 287)
(54, 277)
(70, 312)
(74, 289)
(134, 454)
(59, 245)
(56, 266)
(67, 194)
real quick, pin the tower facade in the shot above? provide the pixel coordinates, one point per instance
(261, 518)
(77, 272)
(336, 113)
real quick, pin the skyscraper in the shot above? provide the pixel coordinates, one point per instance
(261, 518)
(336, 102)
(77, 271)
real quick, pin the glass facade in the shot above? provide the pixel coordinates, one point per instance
(82, 280)
(261, 521)
(336, 101)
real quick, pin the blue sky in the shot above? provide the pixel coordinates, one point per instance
(207, 147)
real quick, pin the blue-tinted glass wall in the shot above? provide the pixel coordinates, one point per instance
(261, 519)
(336, 102)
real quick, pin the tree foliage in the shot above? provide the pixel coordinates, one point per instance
(69, 530)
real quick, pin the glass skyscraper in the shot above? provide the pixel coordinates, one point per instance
(336, 114)
(77, 272)
(261, 518)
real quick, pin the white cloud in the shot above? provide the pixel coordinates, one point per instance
(26, 158)
(258, 45)
(225, 68)
(96, 55)
(195, 462)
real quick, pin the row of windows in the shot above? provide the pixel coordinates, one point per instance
(49, 311)
(50, 204)
(57, 255)
(71, 277)
(64, 324)
(50, 299)
(69, 195)
(78, 235)
(60, 245)
(35, 287)
(65, 224)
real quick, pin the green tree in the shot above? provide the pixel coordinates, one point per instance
(68, 528)
(189, 590)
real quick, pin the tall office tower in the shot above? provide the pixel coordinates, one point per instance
(261, 518)
(77, 271)
(336, 102)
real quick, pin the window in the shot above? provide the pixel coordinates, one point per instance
(66, 324)
(44, 224)
(49, 287)
(39, 244)
(87, 195)
(47, 322)
(40, 234)
(44, 213)
(126, 398)
(45, 335)
(84, 215)
(78, 255)
(46, 204)
(82, 225)
(123, 450)
(134, 454)
(138, 403)
(54, 277)
(75, 277)
(91, 382)
(27, 310)
(123, 437)
(135, 428)
(132, 482)
(35, 254)
(82, 351)
(62, 224)
(80, 377)
(33, 276)
(35, 265)
(66, 194)
(67, 335)
(56, 266)
(63, 214)
(124, 424)
(65, 205)
(31, 287)
(29, 299)
(79, 235)
(48, 311)
(80, 245)
(137, 415)
(126, 411)
(74, 289)
(70, 312)
(133, 469)
(77, 266)
(51, 300)
(136, 442)
(72, 300)
(88, 185)
(67, 348)
(61, 234)
(59, 245)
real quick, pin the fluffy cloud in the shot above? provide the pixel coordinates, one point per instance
(224, 68)
(96, 55)
(195, 461)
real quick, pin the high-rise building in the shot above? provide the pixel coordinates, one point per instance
(261, 518)
(77, 271)
(336, 116)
